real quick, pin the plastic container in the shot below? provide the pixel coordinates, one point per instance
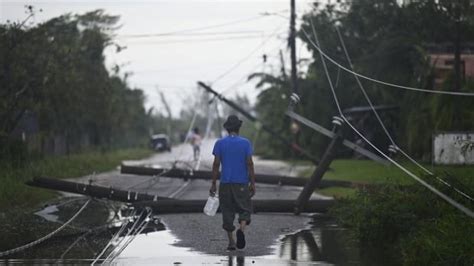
(211, 206)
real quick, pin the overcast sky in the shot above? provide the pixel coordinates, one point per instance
(236, 35)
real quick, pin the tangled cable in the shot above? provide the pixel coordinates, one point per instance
(44, 238)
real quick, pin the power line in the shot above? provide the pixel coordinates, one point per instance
(192, 41)
(397, 148)
(247, 56)
(36, 242)
(134, 234)
(245, 77)
(380, 81)
(419, 180)
(194, 29)
(241, 79)
(152, 35)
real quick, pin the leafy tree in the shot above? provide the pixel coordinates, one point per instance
(56, 70)
(389, 42)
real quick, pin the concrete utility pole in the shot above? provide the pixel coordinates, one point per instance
(457, 48)
(168, 112)
(292, 43)
(93, 190)
(207, 175)
(168, 205)
(321, 169)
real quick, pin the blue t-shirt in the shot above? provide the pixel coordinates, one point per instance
(233, 152)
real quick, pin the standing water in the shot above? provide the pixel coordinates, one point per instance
(321, 242)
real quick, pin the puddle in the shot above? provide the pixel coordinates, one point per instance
(47, 213)
(325, 245)
(321, 243)
(160, 248)
(82, 240)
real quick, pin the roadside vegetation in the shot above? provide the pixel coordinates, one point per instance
(62, 112)
(14, 193)
(366, 172)
(407, 224)
(396, 219)
(386, 41)
(387, 212)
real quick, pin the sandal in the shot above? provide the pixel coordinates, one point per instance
(240, 239)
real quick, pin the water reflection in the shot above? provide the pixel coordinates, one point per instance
(324, 242)
(81, 240)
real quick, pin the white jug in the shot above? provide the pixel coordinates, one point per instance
(212, 205)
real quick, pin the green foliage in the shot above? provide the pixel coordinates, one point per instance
(445, 241)
(337, 192)
(56, 71)
(367, 171)
(271, 107)
(410, 221)
(387, 41)
(14, 193)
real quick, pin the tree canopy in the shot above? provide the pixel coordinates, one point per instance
(387, 41)
(56, 71)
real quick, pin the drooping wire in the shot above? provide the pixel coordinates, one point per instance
(237, 64)
(246, 76)
(454, 203)
(46, 237)
(323, 54)
(364, 92)
(129, 232)
(113, 239)
(138, 231)
(194, 29)
(83, 236)
(194, 40)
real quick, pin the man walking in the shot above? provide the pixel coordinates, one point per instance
(237, 180)
(195, 140)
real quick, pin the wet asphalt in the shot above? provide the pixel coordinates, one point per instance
(196, 235)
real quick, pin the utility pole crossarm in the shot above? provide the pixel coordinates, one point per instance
(330, 134)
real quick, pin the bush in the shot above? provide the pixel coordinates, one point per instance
(447, 241)
(408, 223)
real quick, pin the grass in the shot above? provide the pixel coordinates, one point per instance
(370, 172)
(14, 193)
(338, 192)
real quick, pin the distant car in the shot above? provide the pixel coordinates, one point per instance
(160, 142)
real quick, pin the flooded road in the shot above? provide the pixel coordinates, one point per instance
(322, 242)
(196, 240)
(182, 239)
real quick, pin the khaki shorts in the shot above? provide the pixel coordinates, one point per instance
(234, 198)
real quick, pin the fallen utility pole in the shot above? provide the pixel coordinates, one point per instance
(266, 128)
(318, 173)
(92, 190)
(186, 206)
(206, 175)
(168, 205)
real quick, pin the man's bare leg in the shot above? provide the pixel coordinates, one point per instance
(243, 224)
